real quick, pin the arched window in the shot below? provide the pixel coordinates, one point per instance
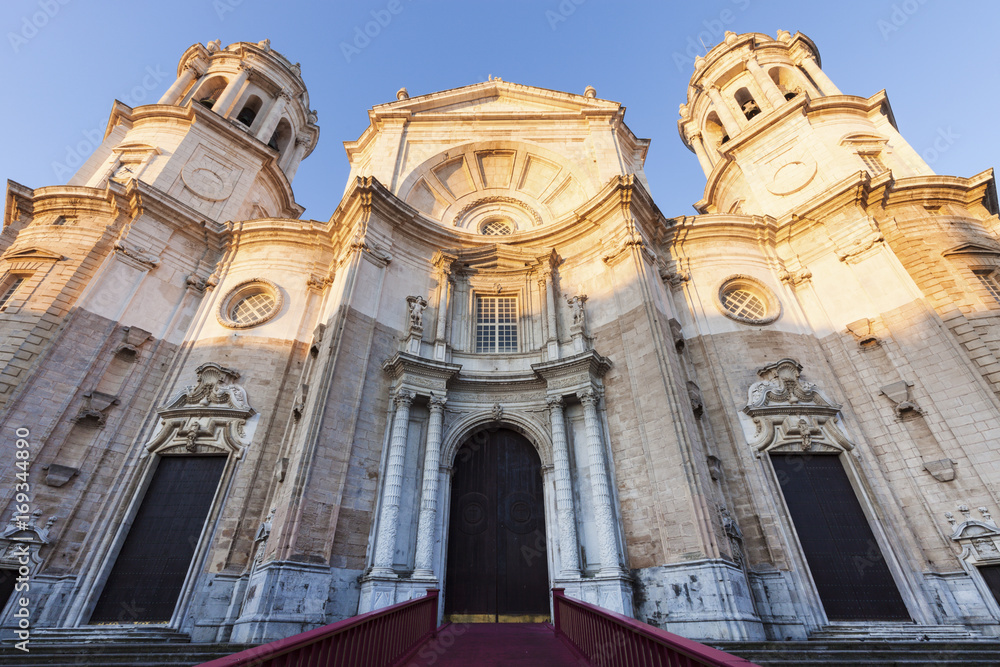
(208, 93)
(747, 103)
(282, 135)
(714, 134)
(249, 111)
(785, 79)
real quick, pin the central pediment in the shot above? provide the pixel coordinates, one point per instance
(497, 258)
(500, 97)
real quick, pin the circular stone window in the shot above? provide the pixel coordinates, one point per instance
(249, 304)
(497, 227)
(748, 300)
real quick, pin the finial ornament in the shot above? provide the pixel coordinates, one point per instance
(402, 94)
(590, 92)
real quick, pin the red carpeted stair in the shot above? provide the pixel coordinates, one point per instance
(494, 645)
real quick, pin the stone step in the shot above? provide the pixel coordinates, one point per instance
(111, 655)
(896, 632)
(108, 634)
(868, 652)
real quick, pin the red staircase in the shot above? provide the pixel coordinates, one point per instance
(405, 634)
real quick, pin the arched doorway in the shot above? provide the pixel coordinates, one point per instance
(497, 564)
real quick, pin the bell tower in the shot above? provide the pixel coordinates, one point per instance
(772, 131)
(226, 138)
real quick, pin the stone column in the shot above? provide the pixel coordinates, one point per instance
(699, 149)
(272, 117)
(770, 88)
(427, 526)
(290, 162)
(385, 541)
(823, 82)
(725, 115)
(550, 313)
(568, 546)
(605, 515)
(441, 326)
(176, 91)
(233, 89)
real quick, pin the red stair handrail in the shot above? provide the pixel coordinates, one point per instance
(380, 638)
(603, 637)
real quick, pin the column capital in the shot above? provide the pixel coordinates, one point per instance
(555, 402)
(588, 397)
(437, 403)
(403, 398)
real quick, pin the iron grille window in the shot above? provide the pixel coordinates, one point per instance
(744, 303)
(8, 293)
(873, 163)
(991, 283)
(496, 324)
(252, 308)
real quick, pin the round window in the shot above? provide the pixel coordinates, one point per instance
(249, 304)
(497, 227)
(747, 300)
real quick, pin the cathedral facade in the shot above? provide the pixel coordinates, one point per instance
(499, 368)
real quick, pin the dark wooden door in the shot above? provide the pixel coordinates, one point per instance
(7, 583)
(497, 565)
(148, 574)
(991, 575)
(851, 575)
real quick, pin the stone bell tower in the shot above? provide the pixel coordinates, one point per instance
(226, 138)
(772, 131)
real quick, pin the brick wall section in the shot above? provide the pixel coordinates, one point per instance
(75, 363)
(949, 287)
(28, 331)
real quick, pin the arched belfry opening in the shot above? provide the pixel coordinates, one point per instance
(497, 566)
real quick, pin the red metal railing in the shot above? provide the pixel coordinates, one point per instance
(603, 637)
(379, 638)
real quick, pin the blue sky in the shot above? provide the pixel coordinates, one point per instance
(65, 61)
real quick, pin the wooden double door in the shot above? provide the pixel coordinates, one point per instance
(497, 565)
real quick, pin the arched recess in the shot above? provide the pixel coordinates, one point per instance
(821, 498)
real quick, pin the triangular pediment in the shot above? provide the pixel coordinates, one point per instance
(36, 254)
(973, 249)
(500, 97)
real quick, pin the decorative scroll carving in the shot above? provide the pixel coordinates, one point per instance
(23, 539)
(790, 414)
(208, 416)
(979, 539)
